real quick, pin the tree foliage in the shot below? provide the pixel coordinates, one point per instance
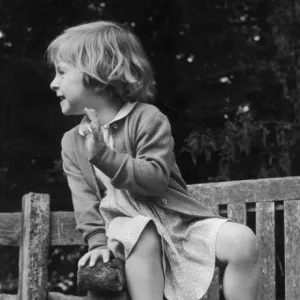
(227, 77)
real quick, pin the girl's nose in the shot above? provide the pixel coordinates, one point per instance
(53, 84)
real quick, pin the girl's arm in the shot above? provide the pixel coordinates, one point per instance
(148, 173)
(86, 204)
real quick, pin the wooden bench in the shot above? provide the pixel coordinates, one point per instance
(258, 201)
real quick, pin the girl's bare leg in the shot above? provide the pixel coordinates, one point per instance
(144, 271)
(237, 246)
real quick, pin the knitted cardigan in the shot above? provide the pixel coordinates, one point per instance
(142, 163)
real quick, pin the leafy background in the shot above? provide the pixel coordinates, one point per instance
(227, 76)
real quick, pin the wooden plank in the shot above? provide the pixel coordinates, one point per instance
(34, 246)
(52, 296)
(63, 229)
(8, 297)
(59, 296)
(261, 190)
(213, 292)
(108, 276)
(292, 249)
(265, 231)
(63, 226)
(274, 189)
(237, 212)
(10, 227)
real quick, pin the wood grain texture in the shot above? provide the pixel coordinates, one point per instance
(292, 249)
(271, 189)
(237, 212)
(215, 209)
(265, 231)
(34, 246)
(10, 227)
(108, 276)
(63, 229)
(59, 296)
(51, 296)
(213, 292)
(8, 297)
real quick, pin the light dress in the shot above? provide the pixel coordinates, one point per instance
(188, 242)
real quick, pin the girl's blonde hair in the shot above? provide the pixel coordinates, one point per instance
(110, 56)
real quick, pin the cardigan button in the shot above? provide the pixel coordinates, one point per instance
(164, 201)
(115, 126)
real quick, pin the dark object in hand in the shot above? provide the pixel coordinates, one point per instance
(108, 276)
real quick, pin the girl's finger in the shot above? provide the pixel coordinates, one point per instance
(93, 126)
(90, 129)
(86, 130)
(93, 260)
(93, 131)
(83, 260)
(91, 113)
(106, 256)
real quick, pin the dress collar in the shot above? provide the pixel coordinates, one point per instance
(122, 113)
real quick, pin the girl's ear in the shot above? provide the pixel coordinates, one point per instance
(98, 89)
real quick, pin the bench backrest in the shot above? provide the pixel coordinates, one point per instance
(36, 228)
(264, 198)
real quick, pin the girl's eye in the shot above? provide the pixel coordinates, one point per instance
(59, 70)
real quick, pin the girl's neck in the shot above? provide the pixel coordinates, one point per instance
(108, 108)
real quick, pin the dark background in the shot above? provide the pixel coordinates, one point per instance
(227, 77)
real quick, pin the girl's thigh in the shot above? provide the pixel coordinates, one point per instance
(235, 241)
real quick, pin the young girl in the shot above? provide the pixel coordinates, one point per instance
(129, 198)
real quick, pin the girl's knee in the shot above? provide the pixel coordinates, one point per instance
(236, 243)
(246, 245)
(149, 241)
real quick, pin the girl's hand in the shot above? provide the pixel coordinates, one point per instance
(93, 132)
(93, 256)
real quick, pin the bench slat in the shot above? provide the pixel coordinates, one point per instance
(59, 296)
(292, 249)
(237, 212)
(213, 292)
(51, 296)
(10, 225)
(246, 191)
(34, 247)
(63, 229)
(8, 297)
(265, 230)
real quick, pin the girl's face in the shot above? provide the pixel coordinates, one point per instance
(68, 85)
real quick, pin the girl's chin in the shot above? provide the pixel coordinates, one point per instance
(65, 107)
(68, 110)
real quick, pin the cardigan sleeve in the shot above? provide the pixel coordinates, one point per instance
(148, 172)
(86, 204)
